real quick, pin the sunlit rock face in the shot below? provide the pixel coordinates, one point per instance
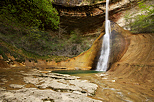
(137, 62)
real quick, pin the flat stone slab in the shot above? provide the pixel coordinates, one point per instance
(62, 82)
(16, 86)
(48, 87)
(36, 95)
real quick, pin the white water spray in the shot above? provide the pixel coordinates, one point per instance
(102, 64)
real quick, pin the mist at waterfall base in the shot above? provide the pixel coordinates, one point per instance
(102, 64)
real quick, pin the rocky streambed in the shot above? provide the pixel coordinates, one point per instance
(32, 85)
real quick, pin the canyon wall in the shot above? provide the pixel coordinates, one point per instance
(120, 40)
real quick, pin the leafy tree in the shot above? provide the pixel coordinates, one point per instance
(141, 21)
(36, 13)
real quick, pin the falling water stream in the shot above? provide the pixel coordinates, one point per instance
(102, 64)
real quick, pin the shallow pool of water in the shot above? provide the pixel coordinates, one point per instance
(76, 71)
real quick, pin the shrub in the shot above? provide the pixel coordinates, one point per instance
(141, 21)
(30, 13)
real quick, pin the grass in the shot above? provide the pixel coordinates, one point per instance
(20, 54)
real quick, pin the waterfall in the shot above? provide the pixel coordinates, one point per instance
(102, 64)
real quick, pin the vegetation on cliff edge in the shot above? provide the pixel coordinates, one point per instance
(142, 20)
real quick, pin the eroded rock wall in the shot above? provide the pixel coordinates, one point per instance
(138, 61)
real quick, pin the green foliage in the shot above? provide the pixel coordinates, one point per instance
(39, 13)
(2, 50)
(141, 21)
(75, 37)
(35, 42)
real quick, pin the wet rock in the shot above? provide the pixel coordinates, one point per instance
(4, 80)
(59, 76)
(32, 80)
(2, 89)
(85, 85)
(48, 87)
(61, 83)
(16, 86)
(2, 83)
(31, 94)
(113, 80)
(58, 86)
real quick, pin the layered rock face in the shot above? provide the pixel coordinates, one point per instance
(89, 16)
